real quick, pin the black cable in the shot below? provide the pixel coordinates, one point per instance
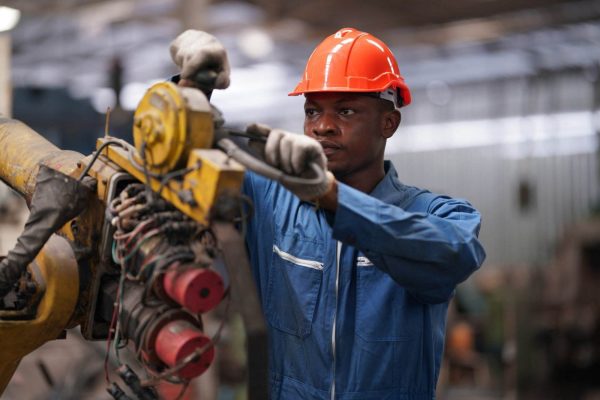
(133, 382)
(117, 393)
(251, 136)
(97, 154)
(174, 174)
(268, 171)
(147, 184)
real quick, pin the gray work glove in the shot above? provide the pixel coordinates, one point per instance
(57, 199)
(293, 154)
(197, 53)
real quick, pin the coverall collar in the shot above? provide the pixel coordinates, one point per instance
(390, 189)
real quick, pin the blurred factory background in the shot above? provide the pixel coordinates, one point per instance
(506, 95)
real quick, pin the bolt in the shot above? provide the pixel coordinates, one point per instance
(30, 288)
(74, 227)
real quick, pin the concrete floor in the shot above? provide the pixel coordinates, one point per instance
(75, 368)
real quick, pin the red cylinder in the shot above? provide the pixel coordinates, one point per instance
(196, 289)
(177, 340)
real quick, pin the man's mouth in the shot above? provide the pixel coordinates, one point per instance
(329, 147)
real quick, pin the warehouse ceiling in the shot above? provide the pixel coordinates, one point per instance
(376, 14)
(77, 44)
(320, 17)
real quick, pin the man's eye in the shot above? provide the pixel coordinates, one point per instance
(346, 111)
(310, 112)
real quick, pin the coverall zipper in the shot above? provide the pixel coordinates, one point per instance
(337, 282)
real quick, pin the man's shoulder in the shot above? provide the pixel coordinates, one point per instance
(435, 203)
(413, 197)
(393, 191)
(417, 199)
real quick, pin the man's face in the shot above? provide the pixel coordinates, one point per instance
(351, 127)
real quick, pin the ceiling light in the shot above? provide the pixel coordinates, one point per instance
(255, 43)
(9, 17)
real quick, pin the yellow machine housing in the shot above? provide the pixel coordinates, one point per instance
(56, 266)
(168, 123)
(173, 133)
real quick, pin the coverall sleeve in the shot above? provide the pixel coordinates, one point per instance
(428, 252)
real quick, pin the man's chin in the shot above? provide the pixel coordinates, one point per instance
(334, 168)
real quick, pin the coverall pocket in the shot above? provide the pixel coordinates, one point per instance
(295, 279)
(385, 311)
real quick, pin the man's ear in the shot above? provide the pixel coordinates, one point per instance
(391, 121)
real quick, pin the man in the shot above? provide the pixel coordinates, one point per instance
(354, 276)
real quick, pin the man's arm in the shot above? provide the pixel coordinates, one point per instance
(428, 253)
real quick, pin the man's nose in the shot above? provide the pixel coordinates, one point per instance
(325, 126)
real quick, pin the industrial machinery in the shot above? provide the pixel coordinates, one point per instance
(128, 242)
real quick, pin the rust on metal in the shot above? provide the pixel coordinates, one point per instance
(23, 150)
(57, 265)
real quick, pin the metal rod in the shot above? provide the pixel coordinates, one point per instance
(23, 150)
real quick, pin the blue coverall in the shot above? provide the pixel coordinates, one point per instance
(356, 300)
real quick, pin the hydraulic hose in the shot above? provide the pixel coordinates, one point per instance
(264, 169)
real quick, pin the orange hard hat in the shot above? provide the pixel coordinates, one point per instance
(353, 61)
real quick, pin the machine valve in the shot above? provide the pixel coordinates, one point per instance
(197, 289)
(179, 343)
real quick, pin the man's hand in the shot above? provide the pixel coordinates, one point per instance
(289, 152)
(294, 154)
(200, 56)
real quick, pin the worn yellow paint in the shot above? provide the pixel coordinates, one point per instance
(23, 150)
(214, 174)
(170, 121)
(57, 265)
(177, 126)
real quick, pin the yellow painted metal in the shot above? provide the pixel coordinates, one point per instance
(102, 170)
(57, 265)
(169, 121)
(85, 230)
(213, 173)
(23, 150)
(217, 174)
(175, 127)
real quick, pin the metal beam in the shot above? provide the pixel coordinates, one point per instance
(5, 86)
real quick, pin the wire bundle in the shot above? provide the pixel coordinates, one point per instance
(150, 237)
